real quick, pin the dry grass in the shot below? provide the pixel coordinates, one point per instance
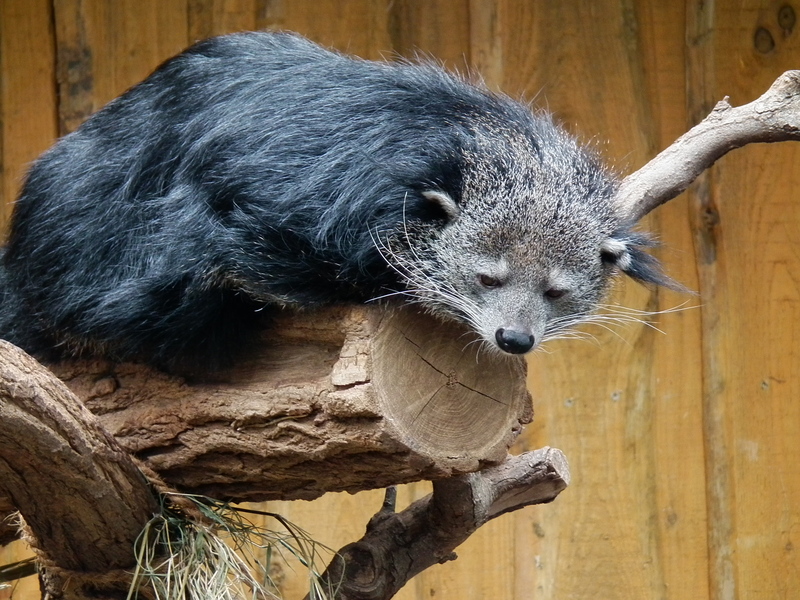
(226, 558)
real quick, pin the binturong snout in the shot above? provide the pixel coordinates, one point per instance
(514, 341)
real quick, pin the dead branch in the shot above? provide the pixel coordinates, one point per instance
(83, 500)
(774, 117)
(398, 546)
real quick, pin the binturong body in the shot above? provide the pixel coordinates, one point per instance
(259, 170)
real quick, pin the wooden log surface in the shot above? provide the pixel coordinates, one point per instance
(83, 498)
(344, 399)
(341, 399)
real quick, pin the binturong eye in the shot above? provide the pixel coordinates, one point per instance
(609, 258)
(488, 281)
(554, 293)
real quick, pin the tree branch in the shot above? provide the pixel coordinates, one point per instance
(774, 117)
(82, 497)
(398, 546)
(355, 398)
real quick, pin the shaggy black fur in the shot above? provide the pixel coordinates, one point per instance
(249, 172)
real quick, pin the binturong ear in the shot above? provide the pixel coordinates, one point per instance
(626, 250)
(444, 202)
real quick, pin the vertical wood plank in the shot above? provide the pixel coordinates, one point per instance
(28, 125)
(757, 195)
(678, 520)
(624, 412)
(216, 17)
(104, 48)
(700, 29)
(438, 29)
(485, 41)
(27, 92)
(359, 27)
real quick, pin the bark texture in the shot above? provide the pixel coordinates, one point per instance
(83, 499)
(350, 399)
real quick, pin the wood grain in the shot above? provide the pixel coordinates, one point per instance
(27, 93)
(701, 72)
(207, 18)
(70, 480)
(604, 402)
(758, 305)
(353, 399)
(28, 125)
(359, 27)
(104, 48)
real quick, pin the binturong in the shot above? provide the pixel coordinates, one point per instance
(258, 171)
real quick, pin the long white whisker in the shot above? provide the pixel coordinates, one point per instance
(421, 289)
(629, 310)
(600, 319)
(611, 315)
(392, 295)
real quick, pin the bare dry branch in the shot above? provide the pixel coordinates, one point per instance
(774, 117)
(398, 546)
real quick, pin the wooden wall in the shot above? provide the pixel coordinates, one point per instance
(684, 445)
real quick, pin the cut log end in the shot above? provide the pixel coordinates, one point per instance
(446, 397)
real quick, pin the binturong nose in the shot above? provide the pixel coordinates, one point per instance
(514, 341)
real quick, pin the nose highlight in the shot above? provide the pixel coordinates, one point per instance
(514, 341)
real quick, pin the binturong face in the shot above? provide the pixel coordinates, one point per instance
(524, 278)
(529, 246)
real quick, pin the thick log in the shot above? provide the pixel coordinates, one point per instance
(344, 399)
(83, 499)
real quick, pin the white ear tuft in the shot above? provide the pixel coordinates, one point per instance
(445, 202)
(617, 252)
(624, 261)
(613, 246)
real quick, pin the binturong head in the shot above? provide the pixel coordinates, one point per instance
(528, 240)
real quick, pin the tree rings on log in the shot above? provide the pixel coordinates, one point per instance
(445, 396)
